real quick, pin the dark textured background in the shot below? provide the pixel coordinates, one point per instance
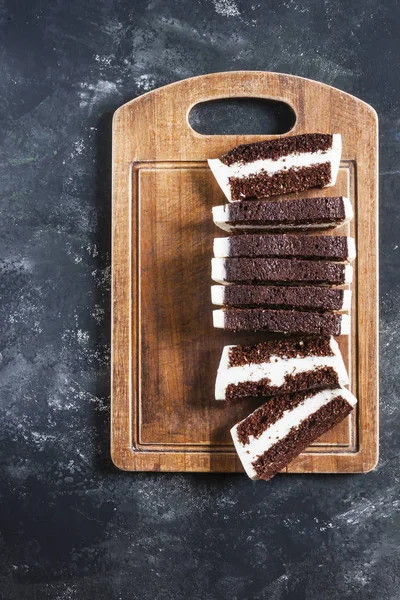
(71, 526)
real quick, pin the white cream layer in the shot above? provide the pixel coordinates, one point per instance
(218, 297)
(275, 369)
(218, 319)
(221, 219)
(299, 160)
(218, 294)
(345, 325)
(348, 274)
(346, 300)
(249, 452)
(218, 272)
(222, 247)
(351, 249)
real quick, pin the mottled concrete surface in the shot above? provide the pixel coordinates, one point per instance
(71, 526)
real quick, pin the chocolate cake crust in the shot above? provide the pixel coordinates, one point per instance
(302, 246)
(310, 297)
(317, 378)
(289, 348)
(274, 149)
(301, 211)
(286, 321)
(280, 454)
(262, 185)
(283, 270)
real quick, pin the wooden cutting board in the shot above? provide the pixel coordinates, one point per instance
(165, 351)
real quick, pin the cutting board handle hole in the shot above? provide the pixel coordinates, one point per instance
(242, 116)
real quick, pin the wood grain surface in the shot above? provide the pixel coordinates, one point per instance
(165, 352)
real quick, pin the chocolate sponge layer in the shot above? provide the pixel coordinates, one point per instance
(327, 247)
(274, 149)
(278, 270)
(263, 185)
(301, 211)
(302, 297)
(286, 321)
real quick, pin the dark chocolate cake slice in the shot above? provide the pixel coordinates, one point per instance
(279, 367)
(280, 166)
(324, 247)
(274, 434)
(300, 213)
(283, 321)
(306, 297)
(279, 270)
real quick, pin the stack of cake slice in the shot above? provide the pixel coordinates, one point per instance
(280, 166)
(279, 283)
(274, 434)
(287, 283)
(289, 164)
(303, 381)
(284, 283)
